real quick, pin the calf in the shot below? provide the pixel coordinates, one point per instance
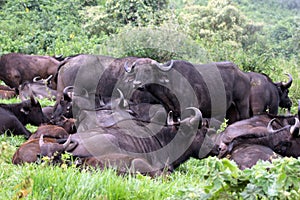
(28, 152)
(51, 131)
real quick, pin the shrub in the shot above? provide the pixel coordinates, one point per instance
(159, 43)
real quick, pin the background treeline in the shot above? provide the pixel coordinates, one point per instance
(262, 36)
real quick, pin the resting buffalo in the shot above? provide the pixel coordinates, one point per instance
(247, 155)
(116, 110)
(267, 95)
(123, 163)
(13, 117)
(213, 87)
(51, 131)
(161, 146)
(38, 88)
(278, 134)
(30, 151)
(16, 68)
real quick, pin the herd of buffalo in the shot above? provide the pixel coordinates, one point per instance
(138, 115)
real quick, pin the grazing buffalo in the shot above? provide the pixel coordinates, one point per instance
(38, 88)
(161, 146)
(7, 92)
(16, 68)
(266, 95)
(213, 88)
(14, 117)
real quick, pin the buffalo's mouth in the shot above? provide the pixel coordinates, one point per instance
(287, 105)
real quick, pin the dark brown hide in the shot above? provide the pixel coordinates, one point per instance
(17, 68)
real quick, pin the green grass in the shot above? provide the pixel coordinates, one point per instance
(209, 178)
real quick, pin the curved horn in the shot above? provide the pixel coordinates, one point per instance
(170, 121)
(163, 67)
(48, 79)
(269, 127)
(41, 140)
(195, 119)
(65, 93)
(67, 143)
(294, 130)
(36, 79)
(122, 101)
(289, 83)
(127, 68)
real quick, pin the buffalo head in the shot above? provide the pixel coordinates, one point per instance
(64, 107)
(48, 149)
(283, 91)
(145, 70)
(32, 112)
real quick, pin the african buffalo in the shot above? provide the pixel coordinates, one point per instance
(31, 150)
(16, 68)
(83, 69)
(247, 155)
(277, 134)
(51, 131)
(178, 84)
(161, 146)
(123, 163)
(116, 110)
(38, 88)
(14, 117)
(97, 76)
(266, 95)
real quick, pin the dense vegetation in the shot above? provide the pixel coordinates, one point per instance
(262, 36)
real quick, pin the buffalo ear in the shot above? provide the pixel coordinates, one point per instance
(33, 100)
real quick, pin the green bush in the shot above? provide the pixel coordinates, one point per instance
(115, 14)
(40, 27)
(160, 43)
